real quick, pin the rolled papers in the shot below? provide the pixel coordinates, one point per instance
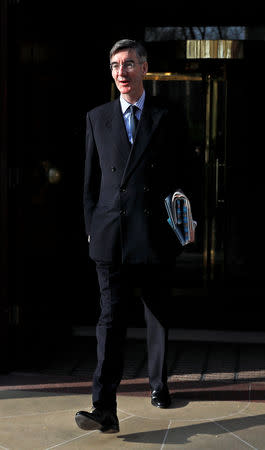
(180, 217)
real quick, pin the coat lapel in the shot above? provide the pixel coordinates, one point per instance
(149, 121)
(118, 134)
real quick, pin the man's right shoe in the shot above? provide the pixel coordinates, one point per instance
(103, 420)
(161, 398)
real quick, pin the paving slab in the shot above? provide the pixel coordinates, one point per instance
(40, 420)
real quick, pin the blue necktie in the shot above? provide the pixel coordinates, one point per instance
(133, 121)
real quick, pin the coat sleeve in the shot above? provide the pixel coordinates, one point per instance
(92, 176)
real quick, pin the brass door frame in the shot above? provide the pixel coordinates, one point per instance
(215, 172)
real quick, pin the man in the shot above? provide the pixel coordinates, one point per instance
(131, 165)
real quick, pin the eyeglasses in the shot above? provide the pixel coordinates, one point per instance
(127, 65)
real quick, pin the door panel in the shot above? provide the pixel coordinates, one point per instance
(191, 92)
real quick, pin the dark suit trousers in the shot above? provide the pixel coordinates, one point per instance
(114, 280)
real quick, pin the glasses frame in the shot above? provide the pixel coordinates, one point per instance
(133, 63)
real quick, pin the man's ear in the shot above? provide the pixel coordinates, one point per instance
(145, 68)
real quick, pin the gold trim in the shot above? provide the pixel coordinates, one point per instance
(112, 91)
(169, 76)
(216, 49)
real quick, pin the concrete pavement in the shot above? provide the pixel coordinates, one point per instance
(218, 393)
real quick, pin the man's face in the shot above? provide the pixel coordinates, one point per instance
(129, 82)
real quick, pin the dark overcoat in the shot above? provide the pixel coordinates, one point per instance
(125, 187)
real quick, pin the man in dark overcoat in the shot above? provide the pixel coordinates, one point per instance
(134, 148)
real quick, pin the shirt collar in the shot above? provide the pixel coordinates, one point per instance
(125, 105)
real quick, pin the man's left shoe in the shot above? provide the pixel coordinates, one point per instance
(161, 398)
(103, 420)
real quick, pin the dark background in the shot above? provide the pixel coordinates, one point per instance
(54, 69)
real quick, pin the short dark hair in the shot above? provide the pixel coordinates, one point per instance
(129, 43)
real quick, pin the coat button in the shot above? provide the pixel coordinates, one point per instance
(146, 189)
(123, 212)
(113, 169)
(123, 189)
(147, 211)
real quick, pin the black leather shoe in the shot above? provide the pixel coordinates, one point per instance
(103, 420)
(161, 398)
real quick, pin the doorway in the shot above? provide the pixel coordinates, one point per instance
(223, 266)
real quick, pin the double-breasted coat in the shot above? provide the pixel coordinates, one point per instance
(125, 186)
